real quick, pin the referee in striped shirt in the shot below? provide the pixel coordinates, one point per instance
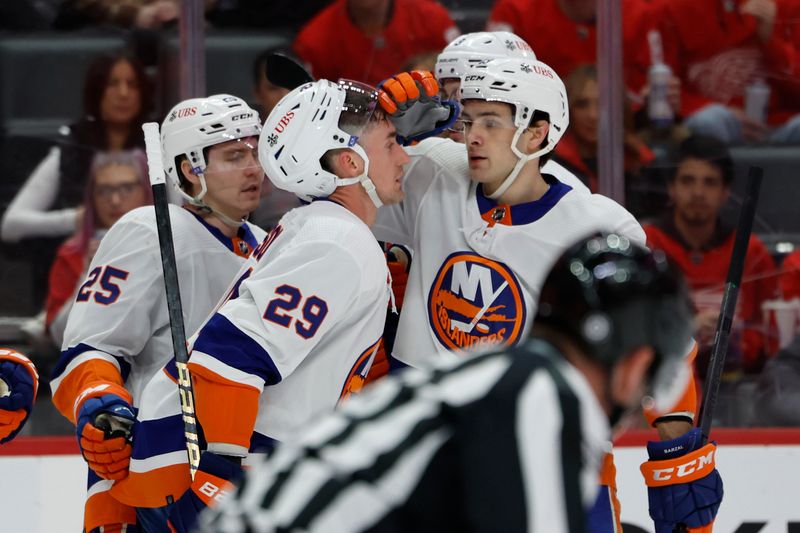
(507, 441)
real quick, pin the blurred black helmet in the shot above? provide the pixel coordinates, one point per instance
(612, 296)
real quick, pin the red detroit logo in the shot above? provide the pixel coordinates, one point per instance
(474, 303)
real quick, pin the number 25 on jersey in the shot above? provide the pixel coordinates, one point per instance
(101, 285)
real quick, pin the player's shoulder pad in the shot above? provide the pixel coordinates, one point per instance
(621, 220)
(564, 176)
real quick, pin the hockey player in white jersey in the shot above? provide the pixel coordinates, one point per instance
(506, 441)
(485, 211)
(304, 321)
(474, 226)
(118, 333)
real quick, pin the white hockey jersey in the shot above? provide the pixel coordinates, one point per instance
(300, 330)
(120, 314)
(118, 329)
(474, 284)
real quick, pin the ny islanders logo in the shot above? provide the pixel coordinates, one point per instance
(475, 303)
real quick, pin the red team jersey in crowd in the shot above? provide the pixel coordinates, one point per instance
(716, 53)
(790, 276)
(67, 270)
(336, 48)
(706, 270)
(565, 44)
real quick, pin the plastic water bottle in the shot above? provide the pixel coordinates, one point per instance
(756, 98)
(659, 111)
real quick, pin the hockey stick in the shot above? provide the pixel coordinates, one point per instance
(158, 183)
(732, 283)
(286, 72)
(728, 308)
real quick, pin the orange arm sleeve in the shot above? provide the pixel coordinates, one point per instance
(687, 404)
(226, 410)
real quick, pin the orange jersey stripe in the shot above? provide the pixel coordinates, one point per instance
(102, 509)
(688, 401)
(153, 488)
(90, 373)
(226, 410)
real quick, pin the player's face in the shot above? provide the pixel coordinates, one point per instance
(122, 98)
(386, 160)
(488, 131)
(583, 114)
(234, 177)
(698, 192)
(268, 95)
(117, 190)
(448, 90)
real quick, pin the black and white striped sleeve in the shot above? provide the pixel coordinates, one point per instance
(493, 444)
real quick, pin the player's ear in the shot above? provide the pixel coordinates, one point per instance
(629, 376)
(350, 163)
(536, 136)
(186, 170)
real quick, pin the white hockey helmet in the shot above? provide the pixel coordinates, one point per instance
(198, 123)
(472, 48)
(530, 87)
(310, 120)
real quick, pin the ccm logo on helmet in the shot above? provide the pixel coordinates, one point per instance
(685, 469)
(241, 117)
(473, 78)
(284, 121)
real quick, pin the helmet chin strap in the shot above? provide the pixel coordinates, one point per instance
(523, 158)
(197, 201)
(362, 178)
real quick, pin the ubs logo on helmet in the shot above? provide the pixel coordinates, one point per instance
(475, 302)
(183, 112)
(284, 121)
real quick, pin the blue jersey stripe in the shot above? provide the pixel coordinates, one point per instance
(68, 355)
(529, 211)
(223, 341)
(157, 437)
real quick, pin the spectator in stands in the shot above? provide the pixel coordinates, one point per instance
(578, 147)
(117, 183)
(145, 14)
(696, 240)
(789, 279)
(283, 15)
(719, 48)
(116, 100)
(424, 61)
(563, 33)
(371, 40)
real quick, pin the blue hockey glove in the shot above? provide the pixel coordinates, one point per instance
(683, 484)
(19, 385)
(213, 482)
(411, 100)
(105, 430)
